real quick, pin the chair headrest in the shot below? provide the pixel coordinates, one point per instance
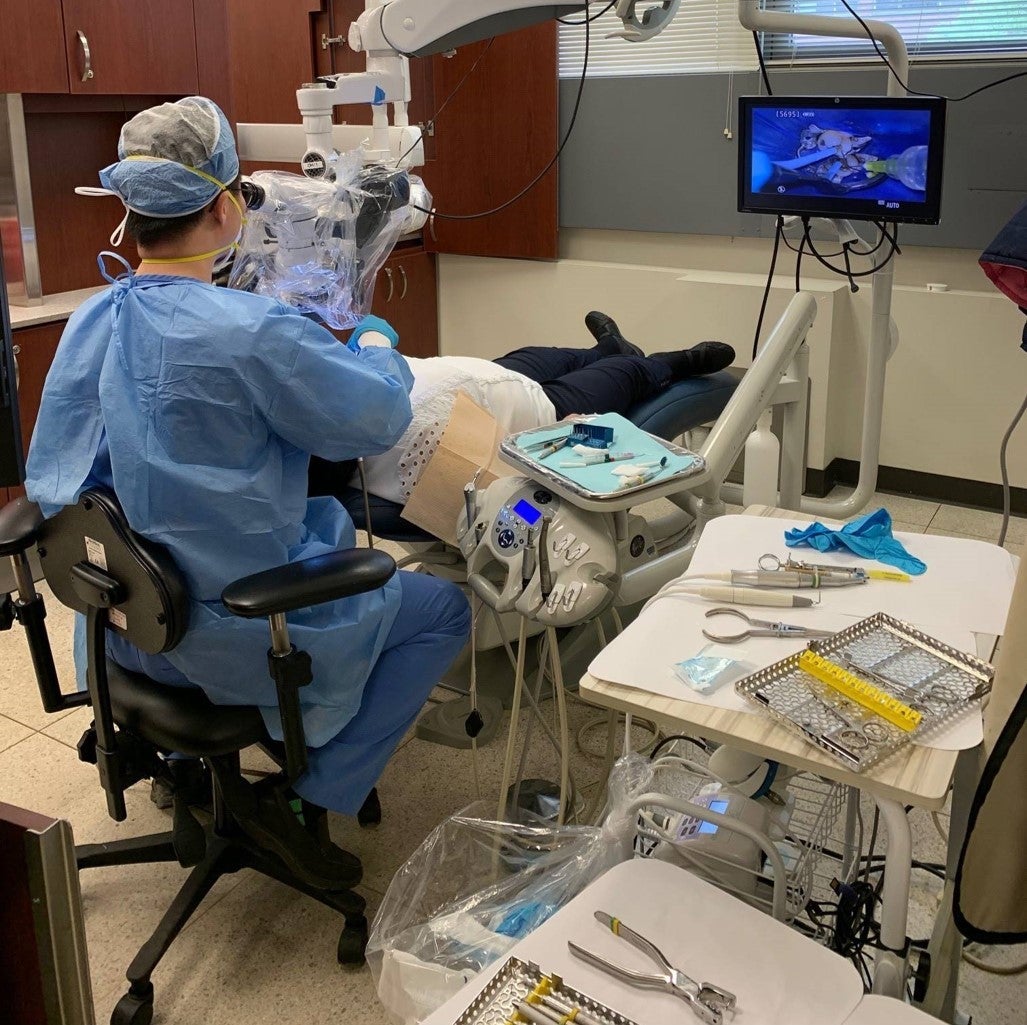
(155, 613)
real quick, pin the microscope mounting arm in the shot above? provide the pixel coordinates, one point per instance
(390, 32)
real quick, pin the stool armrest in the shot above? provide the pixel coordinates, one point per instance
(313, 581)
(20, 522)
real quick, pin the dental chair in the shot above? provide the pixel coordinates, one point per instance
(682, 407)
(96, 565)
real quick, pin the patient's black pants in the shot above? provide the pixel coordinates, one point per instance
(586, 380)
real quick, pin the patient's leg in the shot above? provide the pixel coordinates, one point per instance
(615, 384)
(542, 363)
(611, 385)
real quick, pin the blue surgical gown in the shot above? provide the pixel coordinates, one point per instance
(201, 406)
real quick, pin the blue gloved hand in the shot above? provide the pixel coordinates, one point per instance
(869, 537)
(376, 324)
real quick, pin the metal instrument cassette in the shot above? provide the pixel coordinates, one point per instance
(497, 1003)
(896, 660)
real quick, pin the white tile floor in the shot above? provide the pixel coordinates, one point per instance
(258, 953)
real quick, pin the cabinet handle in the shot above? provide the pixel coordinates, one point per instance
(403, 274)
(87, 57)
(392, 284)
(16, 352)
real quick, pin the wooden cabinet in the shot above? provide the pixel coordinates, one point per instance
(98, 47)
(406, 295)
(131, 46)
(35, 348)
(254, 55)
(32, 56)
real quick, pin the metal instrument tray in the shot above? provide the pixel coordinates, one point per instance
(935, 679)
(511, 453)
(497, 1002)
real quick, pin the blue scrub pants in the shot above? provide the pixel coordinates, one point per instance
(433, 624)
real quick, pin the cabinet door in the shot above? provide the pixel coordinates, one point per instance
(32, 47)
(271, 54)
(134, 46)
(498, 132)
(36, 348)
(406, 295)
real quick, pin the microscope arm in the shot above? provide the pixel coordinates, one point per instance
(388, 33)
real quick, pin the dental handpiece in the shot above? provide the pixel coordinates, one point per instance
(545, 576)
(470, 502)
(749, 596)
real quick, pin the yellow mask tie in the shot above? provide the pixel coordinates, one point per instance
(224, 188)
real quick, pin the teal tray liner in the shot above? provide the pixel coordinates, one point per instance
(627, 438)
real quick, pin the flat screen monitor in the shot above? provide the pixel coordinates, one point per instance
(853, 157)
(12, 457)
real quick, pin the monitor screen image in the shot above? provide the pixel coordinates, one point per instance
(866, 158)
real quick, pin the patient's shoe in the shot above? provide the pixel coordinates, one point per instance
(606, 333)
(704, 358)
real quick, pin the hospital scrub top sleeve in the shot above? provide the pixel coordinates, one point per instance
(334, 403)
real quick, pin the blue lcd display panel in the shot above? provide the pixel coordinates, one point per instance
(855, 157)
(527, 512)
(709, 828)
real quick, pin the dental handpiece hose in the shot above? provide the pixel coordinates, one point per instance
(786, 578)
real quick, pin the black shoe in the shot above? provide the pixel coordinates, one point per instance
(606, 333)
(187, 777)
(704, 358)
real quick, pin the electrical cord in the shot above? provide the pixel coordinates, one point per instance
(778, 235)
(994, 969)
(545, 170)
(905, 85)
(763, 63)
(588, 18)
(1004, 467)
(895, 250)
(430, 124)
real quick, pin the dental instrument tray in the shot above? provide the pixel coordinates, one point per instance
(544, 454)
(870, 689)
(520, 982)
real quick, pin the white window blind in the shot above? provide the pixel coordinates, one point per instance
(931, 28)
(705, 35)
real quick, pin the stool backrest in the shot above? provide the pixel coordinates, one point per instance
(155, 611)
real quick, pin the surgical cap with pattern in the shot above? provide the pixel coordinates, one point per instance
(161, 151)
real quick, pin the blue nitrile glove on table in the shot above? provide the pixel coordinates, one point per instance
(869, 537)
(379, 327)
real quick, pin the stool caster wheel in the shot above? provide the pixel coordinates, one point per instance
(134, 1008)
(370, 813)
(352, 942)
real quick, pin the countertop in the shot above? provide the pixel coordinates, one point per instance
(58, 306)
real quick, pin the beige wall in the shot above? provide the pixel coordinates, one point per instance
(954, 382)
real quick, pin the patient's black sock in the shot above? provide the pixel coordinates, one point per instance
(609, 340)
(704, 358)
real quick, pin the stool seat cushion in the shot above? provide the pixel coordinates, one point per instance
(181, 719)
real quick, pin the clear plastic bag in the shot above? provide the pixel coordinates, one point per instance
(476, 886)
(318, 245)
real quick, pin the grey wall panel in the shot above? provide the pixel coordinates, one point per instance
(649, 154)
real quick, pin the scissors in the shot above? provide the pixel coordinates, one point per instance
(707, 1001)
(759, 628)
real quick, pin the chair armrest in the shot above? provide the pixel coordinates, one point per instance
(20, 522)
(313, 581)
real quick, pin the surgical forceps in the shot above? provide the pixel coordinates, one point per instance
(707, 1001)
(542, 449)
(759, 628)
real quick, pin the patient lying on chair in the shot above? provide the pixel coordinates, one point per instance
(532, 387)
